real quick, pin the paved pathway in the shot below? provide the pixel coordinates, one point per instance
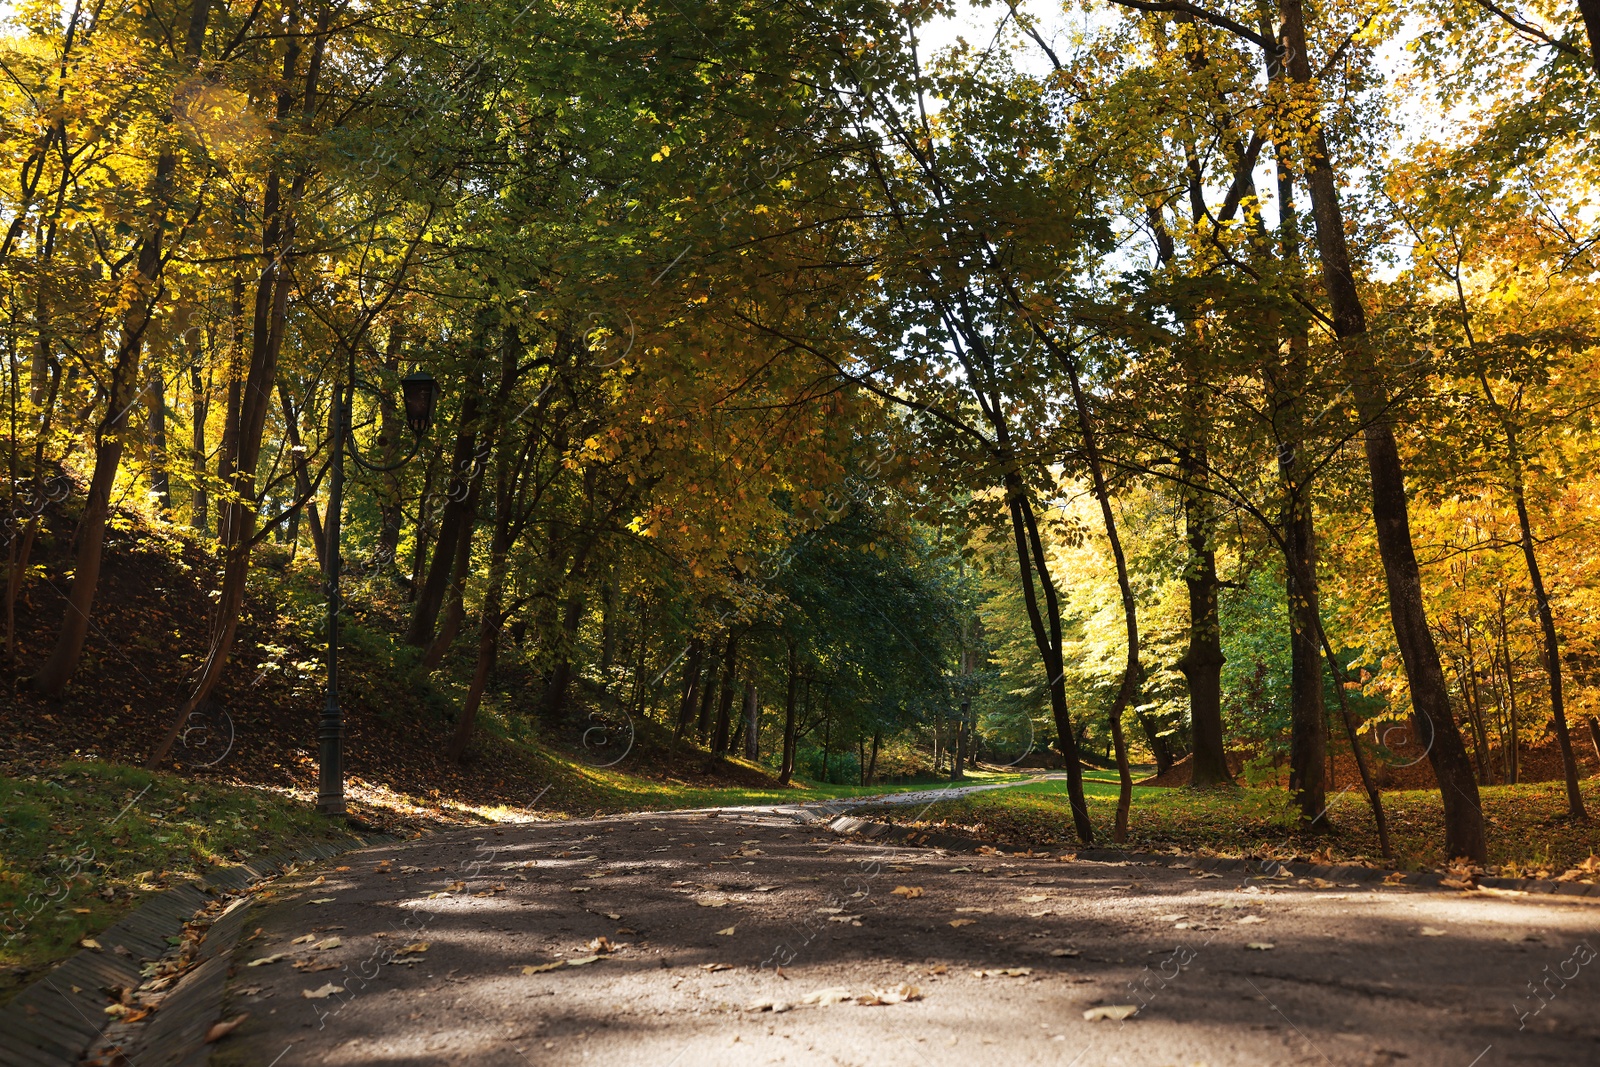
(718, 927)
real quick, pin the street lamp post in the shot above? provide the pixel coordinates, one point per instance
(419, 391)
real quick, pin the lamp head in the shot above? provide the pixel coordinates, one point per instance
(420, 391)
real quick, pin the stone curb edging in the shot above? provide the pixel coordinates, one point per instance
(847, 825)
(55, 1020)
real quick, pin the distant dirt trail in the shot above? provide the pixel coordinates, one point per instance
(704, 906)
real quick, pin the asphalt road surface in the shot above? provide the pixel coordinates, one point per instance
(734, 937)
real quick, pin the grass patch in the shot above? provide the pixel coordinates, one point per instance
(1529, 834)
(619, 791)
(82, 844)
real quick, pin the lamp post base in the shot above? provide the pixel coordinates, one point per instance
(331, 806)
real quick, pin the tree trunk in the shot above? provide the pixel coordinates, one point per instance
(708, 696)
(302, 471)
(1126, 693)
(691, 678)
(155, 398)
(1547, 620)
(199, 405)
(266, 342)
(872, 760)
(1032, 565)
(490, 616)
(455, 612)
(752, 718)
(466, 469)
(730, 656)
(59, 668)
(786, 768)
(1458, 788)
(958, 760)
(1511, 693)
(392, 433)
(1202, 663)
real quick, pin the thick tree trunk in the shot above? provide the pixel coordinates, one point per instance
(752, 720)
(1458, 788)
(1308, 721)
(1202, 662)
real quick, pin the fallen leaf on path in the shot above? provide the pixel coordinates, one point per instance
(613, 916)
(602, 945)
(90, 942)
(625, 930)
(958, 870)
(1261, 946)
(712, 903)
(1035, 898)
(980, 911)
(834, 995)
(854, 919)
(415, 946)
(830, 911)
(1068, 952)
(1170, 918)
(938, 968)
(893, 995)
(713, 967)
(329, 942)
(583, 960)
(1206, 874)
(323, 900)
(1249, 919)
(910, 892)
(958, 923)
(1431, 931)
(1115, 1012)
(729, 932)
(304, 939)
(310, 966)
(264, 960)
(765, 888)
(767, 1005)
(541, 968)
(1007, 972)
(1395, 879)
(219, 1031)
(579, 889)
(320, 993)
